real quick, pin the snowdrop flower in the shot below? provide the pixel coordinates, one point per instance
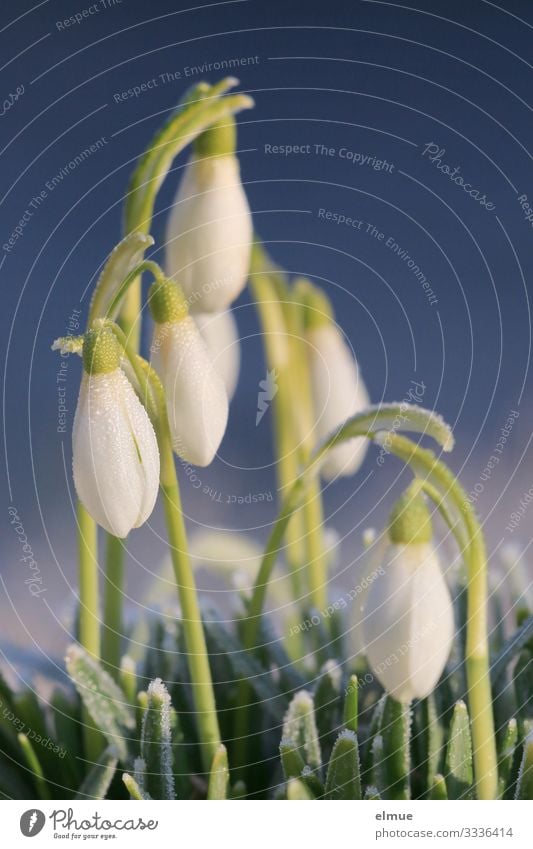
(337, 388)
(197, 403)
(115, 453)
(219, 332)
(209, 232)
(408, 621)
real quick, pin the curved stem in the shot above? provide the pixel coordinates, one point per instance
(477, 648)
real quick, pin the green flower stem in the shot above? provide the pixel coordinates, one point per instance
(89, 618)
(152, 393)
(313, 515)
(276, 349)
(88, 578)
(112, 625)
(477, 648)
(197, 658)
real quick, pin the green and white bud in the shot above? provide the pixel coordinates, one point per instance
(408, 624)
(197, 402)
(115, 453)
(209, 231)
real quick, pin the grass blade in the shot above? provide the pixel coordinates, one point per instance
(219, 776)
(459, 769)
(344, 779)
(103, 698)
(156, 750)
(97, 782)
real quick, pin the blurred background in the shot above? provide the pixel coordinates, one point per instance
(388, 104)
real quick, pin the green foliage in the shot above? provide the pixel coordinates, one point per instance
(344, 779)
(524, 784)
(104, 700)
(459, 768)
(380, 749)
(97, 782)
(396, 733)
(156, 750)
(219, 776)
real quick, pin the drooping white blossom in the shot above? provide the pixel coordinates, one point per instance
(408, 623)
(209, 233)
(338, 393)
(115, 453)
(219, 331)
(197, 403)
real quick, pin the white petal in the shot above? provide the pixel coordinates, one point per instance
(219, 331)
(366, 572)
(338, 393)
(408, 622)
(209, 234)
(196, 396)
(115, 453)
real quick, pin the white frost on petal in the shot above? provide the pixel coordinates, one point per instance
(338, 393)
(219, 331)
(209, 234)
(115, 453)
(408, 622)
(197, 402)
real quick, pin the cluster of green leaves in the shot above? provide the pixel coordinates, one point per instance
(317, 730)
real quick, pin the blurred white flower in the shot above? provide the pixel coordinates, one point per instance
(197, 403)
(338, 393)
(368, 567)
(115, 453)
(219, 331)
(408, 624)
(209, 233)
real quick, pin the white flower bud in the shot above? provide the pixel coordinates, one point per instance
(338, 393)
(408, 624)
(209, 234)
(115, 453)
(197, 403)
(219, 331)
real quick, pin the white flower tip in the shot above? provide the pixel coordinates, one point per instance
(380, 437)
(157, 690)
(449, 443)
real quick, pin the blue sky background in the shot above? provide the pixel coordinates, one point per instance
(372, 78)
